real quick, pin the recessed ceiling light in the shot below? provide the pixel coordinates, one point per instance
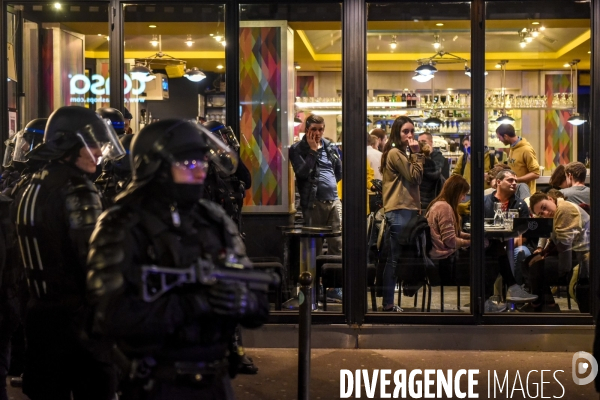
(589, 52)
(439, 24)
(498, 66)
(99, 34)
(566, 65)
(535, 23)
(151, 26)
(57, 6)
(219, 66)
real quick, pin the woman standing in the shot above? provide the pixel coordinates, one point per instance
(402, 170)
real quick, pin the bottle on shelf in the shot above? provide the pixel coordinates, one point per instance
(393, 98)
(413, 99)
(403, 98)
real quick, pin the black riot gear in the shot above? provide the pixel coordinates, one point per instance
(55, 216)
(167, 141)
(115, 117)
(147, 261)
(116, 174)
(225, 133)
(73, 127)
(29, 138)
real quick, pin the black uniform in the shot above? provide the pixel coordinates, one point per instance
(177, 338)
(55, 218)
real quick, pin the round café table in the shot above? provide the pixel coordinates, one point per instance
(308, 255)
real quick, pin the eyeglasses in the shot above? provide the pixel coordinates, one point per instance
(192, 165)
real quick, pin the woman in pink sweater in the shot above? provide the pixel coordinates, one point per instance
(444, 220)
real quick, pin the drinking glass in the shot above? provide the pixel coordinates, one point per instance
(498, 215)
(511, 215)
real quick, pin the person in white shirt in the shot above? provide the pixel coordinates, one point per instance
(374, 156)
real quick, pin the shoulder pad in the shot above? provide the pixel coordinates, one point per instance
(82, 202)
(113, 224)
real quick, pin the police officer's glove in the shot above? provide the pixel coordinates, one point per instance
(232, 299)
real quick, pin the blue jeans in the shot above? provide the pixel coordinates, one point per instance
(520, 254)
(396, 221)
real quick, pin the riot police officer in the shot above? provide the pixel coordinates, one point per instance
(144, 274)
(116, 174)
(55, 217)
(228, 190)
(115, 117)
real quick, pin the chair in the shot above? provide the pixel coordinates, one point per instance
(332, 276)
(270, 264)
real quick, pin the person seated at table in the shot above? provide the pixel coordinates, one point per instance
(558, 179)
(575, 190)
(571, 238)
(522, 191)
(496, 258)
(445, 222)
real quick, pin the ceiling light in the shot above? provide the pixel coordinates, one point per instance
(218, 37)
(57, 6)
(99, 34)
(535, 33)
(436, 42)
(223, 43)
(542, 28)
(528, 38)
(505, 119)
(219, 66)
(194, 75)
(107, 38)
(426, 69)
(523, 43)
(576, 120)
(297, 66)
(535, 23)
(566, 65)
(467, 71)
(152, 26)
(189, 41)
(498, 65)
(439, 24)
(140, 71)
(393, 44)
(589, 52)
(422, 78)
(154, 41)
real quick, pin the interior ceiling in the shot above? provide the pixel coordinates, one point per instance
(317, 45)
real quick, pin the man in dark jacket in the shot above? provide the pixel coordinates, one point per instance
(435, 171)
(318, 168)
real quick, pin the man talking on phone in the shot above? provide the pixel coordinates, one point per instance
(318, 168)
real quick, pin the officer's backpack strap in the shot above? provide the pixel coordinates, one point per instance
(231, 234)
(107, 252)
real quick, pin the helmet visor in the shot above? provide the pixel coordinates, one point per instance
(229, 138)
(25, 142)
(224, 157)
(101, 134)
(8, 152)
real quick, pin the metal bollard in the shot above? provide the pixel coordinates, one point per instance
(305, 301)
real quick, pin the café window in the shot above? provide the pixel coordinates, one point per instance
(417, 141)
(537, 207)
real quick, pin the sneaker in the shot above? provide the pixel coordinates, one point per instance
(490, 306)
(516, 293)
(392, 309)
(334, 295)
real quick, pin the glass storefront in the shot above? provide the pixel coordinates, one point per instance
(448, 146)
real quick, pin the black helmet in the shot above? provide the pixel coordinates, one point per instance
(225, 133)
(170, 141)
(71, 126)
(115, 117)
(29, 138)
(124, 164)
